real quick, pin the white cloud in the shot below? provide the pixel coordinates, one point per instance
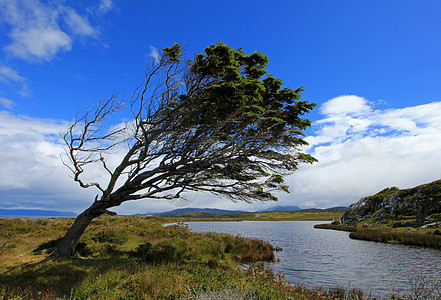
(36, 29)
(345, 105)
(6, 103)
(38, 43)
(11, 77)
(362, 150)
(105, 6)
(32, 175)
(358, 156)
(154, 52)
(79, 24)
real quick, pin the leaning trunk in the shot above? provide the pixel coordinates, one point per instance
(67, 245)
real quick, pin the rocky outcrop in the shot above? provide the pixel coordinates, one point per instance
(422, 202)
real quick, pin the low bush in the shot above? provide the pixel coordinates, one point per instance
(215, 249)
(111, 236)
(335, 227)
(159, 253)
(388, 236)
(346, 293)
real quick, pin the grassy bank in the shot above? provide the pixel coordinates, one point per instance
(135, 258)
(336, 227)
(262, 216)
(412, 238)
(394, 231)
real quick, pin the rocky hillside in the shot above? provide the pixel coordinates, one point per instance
(421, 203)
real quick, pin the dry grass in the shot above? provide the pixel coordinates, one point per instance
(413, 238)
(116, 264)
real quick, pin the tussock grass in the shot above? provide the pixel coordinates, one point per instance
(262, 216)
(336, 227)
(136, 258)
(396, 237)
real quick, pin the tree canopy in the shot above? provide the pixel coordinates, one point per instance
(217, 123)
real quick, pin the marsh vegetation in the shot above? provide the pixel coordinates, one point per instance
(135, 257)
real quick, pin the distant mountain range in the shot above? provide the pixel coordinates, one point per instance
(35, 213)
(188, 210)
(281, 208)
(211, 211)
(215, 211)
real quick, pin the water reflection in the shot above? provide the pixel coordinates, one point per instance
(317, 257)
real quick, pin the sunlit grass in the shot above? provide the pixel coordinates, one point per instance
(413, 238)
(135, 257)
(263, 216)
(403, 230)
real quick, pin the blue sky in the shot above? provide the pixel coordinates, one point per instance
(373, 67)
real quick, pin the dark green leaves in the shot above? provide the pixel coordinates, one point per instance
(173, 53)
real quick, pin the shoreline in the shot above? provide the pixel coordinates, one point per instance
(387, 235)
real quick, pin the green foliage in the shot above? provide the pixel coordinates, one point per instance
(212, 248)
(110, 235)
(234, 100)
(173, 53)
(159, 253)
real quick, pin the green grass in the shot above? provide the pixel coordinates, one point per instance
(262, 216)
(403, 230)
(335, 227)
(135, 257)
(413, 238)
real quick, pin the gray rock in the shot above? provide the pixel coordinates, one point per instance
(420, 202)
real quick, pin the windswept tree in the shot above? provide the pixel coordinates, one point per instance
(217, 123)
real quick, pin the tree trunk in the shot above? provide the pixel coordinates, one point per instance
(67, 245)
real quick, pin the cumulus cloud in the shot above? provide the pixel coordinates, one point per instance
(32, 175)
(39, 31)
(345, 105)
(362, 150)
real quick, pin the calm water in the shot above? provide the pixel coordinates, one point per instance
(317, 257)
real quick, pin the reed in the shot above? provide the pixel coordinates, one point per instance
(336, 227)
(135, 257)
(396, 237)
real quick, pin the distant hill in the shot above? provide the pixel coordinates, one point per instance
(35, 213)
(189, 211)
(335, 209)
(211, 211)
(421, 203)
(281, 208)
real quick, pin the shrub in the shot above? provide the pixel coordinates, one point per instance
(407, 238)
(346, 293)
(159, 253)
(335, 227)
(111, 236)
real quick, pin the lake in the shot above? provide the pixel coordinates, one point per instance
(318, 257)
